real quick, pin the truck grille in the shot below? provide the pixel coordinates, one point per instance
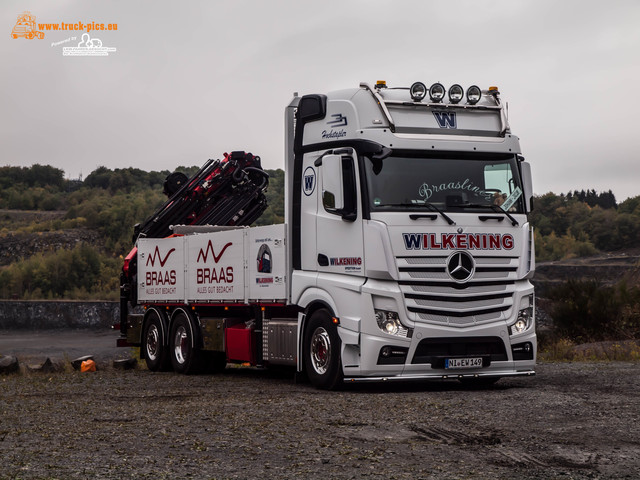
(434, 297)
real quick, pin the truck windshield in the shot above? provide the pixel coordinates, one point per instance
(451, 182)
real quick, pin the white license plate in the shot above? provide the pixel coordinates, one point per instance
(463, 362)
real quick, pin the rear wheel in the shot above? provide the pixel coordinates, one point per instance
(322, 351)
(154, 345)
(185, 357)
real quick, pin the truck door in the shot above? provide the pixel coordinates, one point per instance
(339, 218)
(308, 211)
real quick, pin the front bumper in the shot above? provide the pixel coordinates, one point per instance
(423, 356)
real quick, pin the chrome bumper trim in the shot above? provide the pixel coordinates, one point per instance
(439, 376)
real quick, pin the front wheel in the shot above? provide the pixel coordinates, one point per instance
(185, 357)
(322, 351)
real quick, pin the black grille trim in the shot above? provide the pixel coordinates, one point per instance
(435, 350)
(453, 313)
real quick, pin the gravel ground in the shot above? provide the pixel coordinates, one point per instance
(571, 421)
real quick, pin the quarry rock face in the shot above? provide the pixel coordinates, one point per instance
(35, 315)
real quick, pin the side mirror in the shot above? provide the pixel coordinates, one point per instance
(332, 182)
(527, 185)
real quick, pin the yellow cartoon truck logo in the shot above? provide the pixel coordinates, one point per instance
(26, 27)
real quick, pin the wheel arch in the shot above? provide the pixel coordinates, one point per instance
(311, 300)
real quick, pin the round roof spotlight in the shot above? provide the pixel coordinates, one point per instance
(473, 94)
(436, 92)
(456, 93)
(418, 91)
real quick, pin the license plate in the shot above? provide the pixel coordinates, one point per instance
(463, 362)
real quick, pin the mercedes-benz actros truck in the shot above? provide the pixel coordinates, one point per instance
(406, 253)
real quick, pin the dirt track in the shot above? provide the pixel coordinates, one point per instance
(571, 421)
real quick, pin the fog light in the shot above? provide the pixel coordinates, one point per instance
(436, 92)
(418, 91)
(386, 352)
(474, 94)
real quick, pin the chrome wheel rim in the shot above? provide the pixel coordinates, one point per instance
(153, 342)
(180, 342)
(320, 350)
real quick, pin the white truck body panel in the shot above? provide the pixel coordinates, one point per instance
(228, 266)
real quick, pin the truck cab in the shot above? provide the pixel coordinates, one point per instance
(410, 252)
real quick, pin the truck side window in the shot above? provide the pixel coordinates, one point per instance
(350, 210)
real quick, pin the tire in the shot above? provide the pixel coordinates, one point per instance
(154, 345)
(322, 352)
(185, 358)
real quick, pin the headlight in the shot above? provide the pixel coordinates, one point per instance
(436, 92)
(525, 317)
(389, 323)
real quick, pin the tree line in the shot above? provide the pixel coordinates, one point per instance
(108, 201)
(584, 223)
(112, 201)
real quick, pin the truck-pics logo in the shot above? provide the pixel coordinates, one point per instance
(88, 47)
(446, 119)
(458, 241)
(26, 27)
(213, 275)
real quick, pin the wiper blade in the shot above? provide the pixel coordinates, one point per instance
(433, 208)
(495, 208)
(430, 206)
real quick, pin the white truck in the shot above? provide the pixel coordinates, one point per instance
(405, 255)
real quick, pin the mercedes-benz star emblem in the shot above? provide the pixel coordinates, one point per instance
(460, 266)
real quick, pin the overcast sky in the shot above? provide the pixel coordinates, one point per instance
(191, 80)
